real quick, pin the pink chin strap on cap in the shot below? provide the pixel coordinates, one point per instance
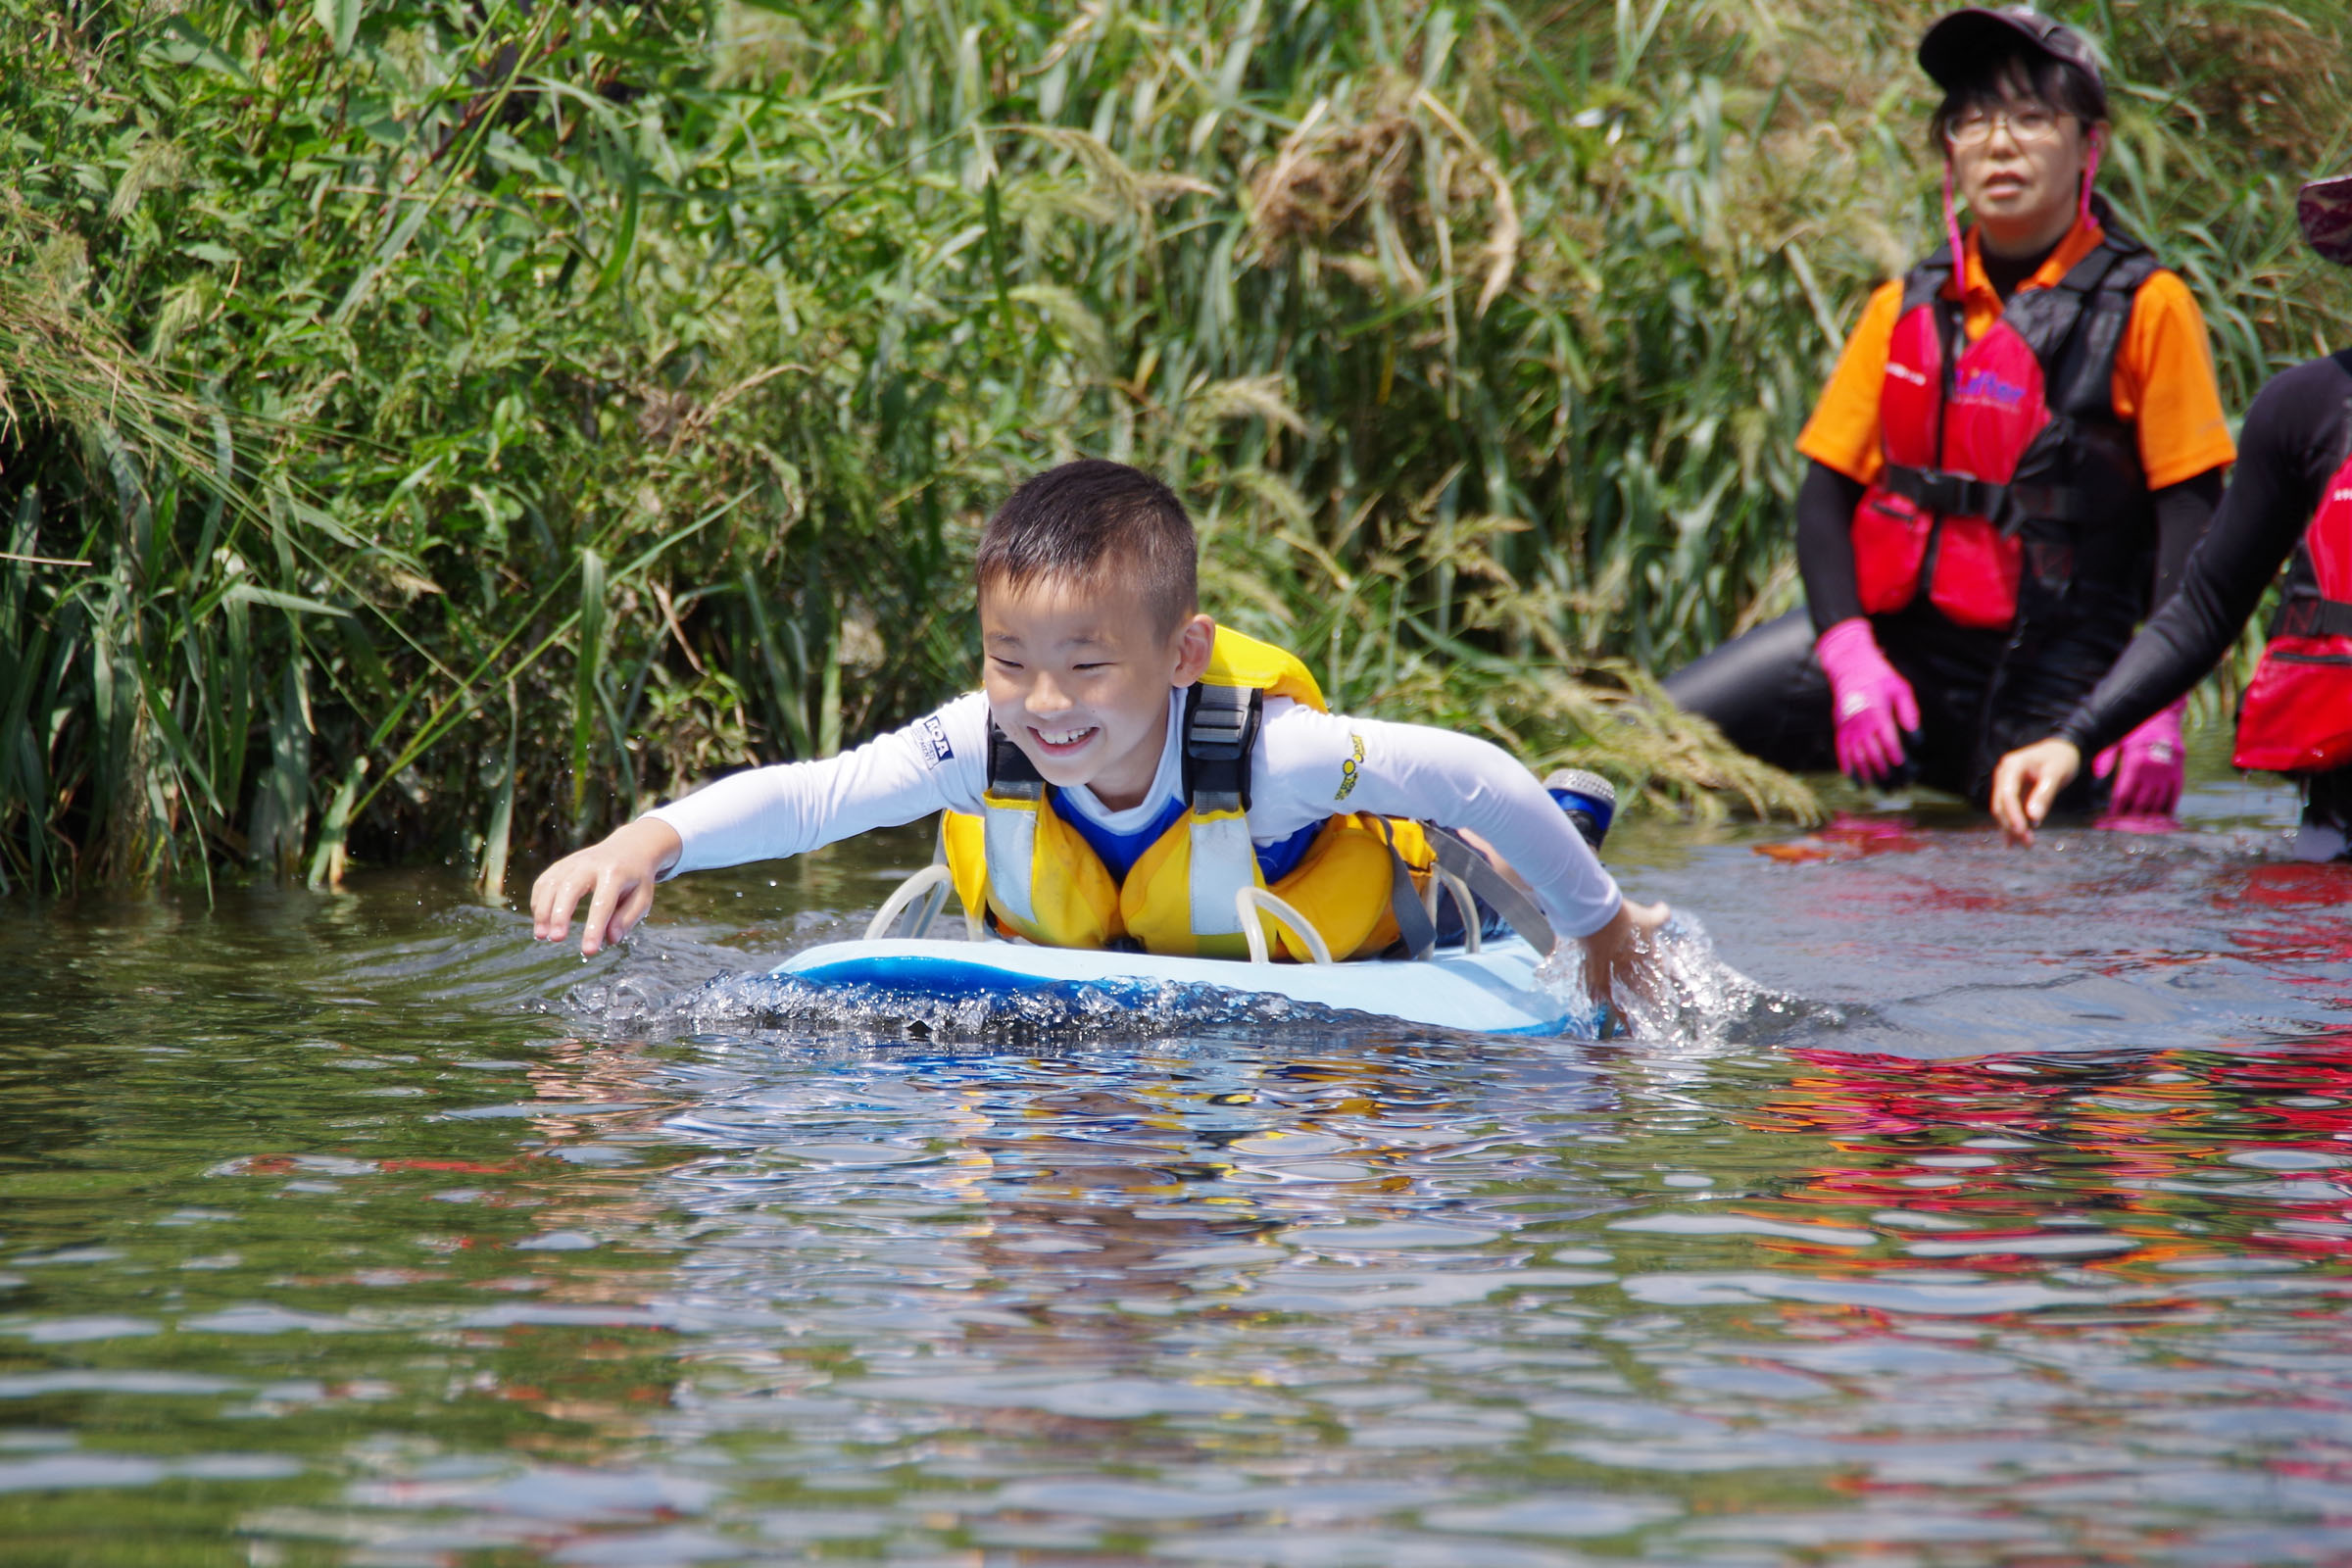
(1951, 220)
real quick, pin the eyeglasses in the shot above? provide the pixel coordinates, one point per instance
(2025, 125)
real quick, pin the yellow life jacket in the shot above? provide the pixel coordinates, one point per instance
(1019, 864)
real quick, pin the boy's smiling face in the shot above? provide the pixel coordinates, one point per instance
(1078, 674)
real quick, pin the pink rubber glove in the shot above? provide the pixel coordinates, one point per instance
(1873, 705)
(2148, 766)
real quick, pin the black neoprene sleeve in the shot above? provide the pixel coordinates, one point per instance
(1825, 545)
(2287, 445)
(2182, 513)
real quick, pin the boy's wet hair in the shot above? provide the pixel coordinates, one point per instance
(2019, 72)
(1095, 521)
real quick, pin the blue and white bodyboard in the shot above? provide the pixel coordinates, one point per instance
(1494, 991)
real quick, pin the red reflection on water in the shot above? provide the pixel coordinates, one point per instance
(2188, 1155)
(1846, 837)
(2308, 935)
(2286, 885)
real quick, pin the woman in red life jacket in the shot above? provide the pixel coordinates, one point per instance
(2022, 439)
(2289, 502)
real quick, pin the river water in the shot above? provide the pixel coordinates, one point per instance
(2001, 1221)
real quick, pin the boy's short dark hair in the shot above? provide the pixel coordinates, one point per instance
(1084, 520)
(2017, 71)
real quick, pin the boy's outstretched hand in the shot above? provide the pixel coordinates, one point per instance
(615, 876)
(2028, 780)
(1620, 954)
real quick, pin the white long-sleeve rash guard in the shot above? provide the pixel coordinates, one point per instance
(1299, 774)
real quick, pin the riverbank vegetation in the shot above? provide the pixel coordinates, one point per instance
(435, 431)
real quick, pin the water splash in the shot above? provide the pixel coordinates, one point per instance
(780, 1008)
(1698, 1001)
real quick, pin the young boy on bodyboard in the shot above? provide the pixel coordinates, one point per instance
(1130, 769)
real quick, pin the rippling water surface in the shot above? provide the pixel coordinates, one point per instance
(2004, 1224)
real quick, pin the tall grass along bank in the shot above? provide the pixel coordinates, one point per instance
(436, 430)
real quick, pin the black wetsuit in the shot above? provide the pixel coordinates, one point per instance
(2296, 438)
(1978, 697)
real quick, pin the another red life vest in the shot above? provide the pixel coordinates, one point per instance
(2297, 716)
(2007, 467)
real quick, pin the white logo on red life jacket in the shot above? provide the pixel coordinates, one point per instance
(1905, 372)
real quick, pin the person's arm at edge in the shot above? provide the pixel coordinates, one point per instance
(2253, 532)
(2165, 383)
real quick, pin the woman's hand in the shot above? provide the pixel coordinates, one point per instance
(1873, 707)
(617, 877)
(2028, 780)
(1622, 954)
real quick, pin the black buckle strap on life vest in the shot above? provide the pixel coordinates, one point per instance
(1010, 773)
(1964, 495)
(2310, 616)
(1944, 491)
(1220, 732)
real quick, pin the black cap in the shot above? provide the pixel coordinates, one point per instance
(1967, 36)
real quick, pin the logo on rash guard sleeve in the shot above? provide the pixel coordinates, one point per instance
(934, 741)
(1352, 769)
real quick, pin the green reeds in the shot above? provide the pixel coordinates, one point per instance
(589, 701)
(430, 431)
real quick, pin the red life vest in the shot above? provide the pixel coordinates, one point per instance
(2008, 471)
(2297, 716)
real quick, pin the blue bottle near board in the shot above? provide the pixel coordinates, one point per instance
(1589, 801)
